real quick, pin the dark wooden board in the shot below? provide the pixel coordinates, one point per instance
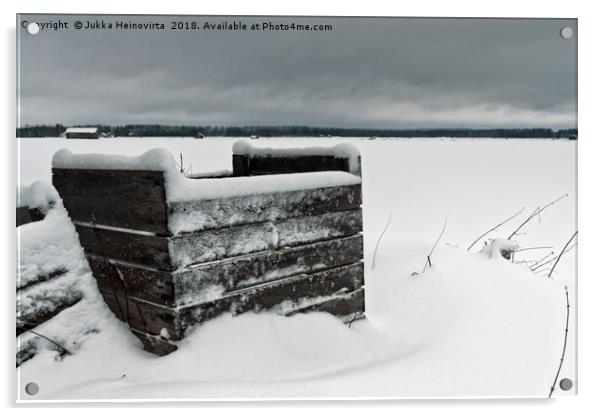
(118, 211)
(267, 296)
(36, 214)
(344, 306)
(30, 321)
(126, 199)
(245, 271)
(152, 285)
(276, 206)
(155, 344)
(151, 318)
(148, 250)
(211, 245)
(23, 216)
(302, 288)
(144, 316)
(42, 278)
(244, 165)
(143, 185)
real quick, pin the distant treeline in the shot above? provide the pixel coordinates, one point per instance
(157, 130)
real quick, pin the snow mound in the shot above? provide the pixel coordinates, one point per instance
(443, 333)
(155, 159)
(499, 247)
(40, 194)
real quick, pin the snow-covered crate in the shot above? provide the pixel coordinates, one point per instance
(169, 252)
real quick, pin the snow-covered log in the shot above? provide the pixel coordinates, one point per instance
(169, 252)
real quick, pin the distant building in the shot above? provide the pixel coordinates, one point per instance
(107, 135)
(199, 135)
(82, 133)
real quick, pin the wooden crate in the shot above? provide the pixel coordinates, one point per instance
(162, 283)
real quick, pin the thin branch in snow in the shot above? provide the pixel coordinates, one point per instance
(566, 332)
(428, 257)
(494, 228)
(378, 242)
(47, 339)
(562, 252)
(554, 258)
(544, 258)
(353, 319)
(536, 213)
(532, 248)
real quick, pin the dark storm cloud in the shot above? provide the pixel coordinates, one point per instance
(366, 72)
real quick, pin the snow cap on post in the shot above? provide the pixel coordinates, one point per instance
(155, 159)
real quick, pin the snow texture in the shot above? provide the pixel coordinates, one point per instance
(499, 247)
(40, 194)
(47, 246)
(51, 272)
(471, 325)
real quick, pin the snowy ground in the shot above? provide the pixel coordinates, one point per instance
(469, 326)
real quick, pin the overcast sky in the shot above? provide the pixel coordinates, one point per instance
(366, 72)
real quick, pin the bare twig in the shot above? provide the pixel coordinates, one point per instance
(554, 258)
(378, 242)
(494, 228)
(544, 258)
(428, 257)
(566, 332)
(532, 248)
(536, 213)
(353, 319)
(562, 252)
(46, 338)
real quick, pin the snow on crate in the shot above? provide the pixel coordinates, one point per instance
(40, 194)
(181, 188)
(177, 252)
(52, 276)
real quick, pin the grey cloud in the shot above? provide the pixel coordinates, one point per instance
(367, 72)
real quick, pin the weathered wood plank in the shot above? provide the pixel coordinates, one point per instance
(23, 216)
(150, 284)
(344, 306)
(155, 344)
(245, 271)
(141, 185)
(41, 278)
(211, 245)
(36, 214)
(118, 211)
(284, 294)
(245, 165)
(240, 165)
(126, 199)
(144, 316)
(147, 250)
(52, 307)
(231, 274)
(276, 206)
(300, 289)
